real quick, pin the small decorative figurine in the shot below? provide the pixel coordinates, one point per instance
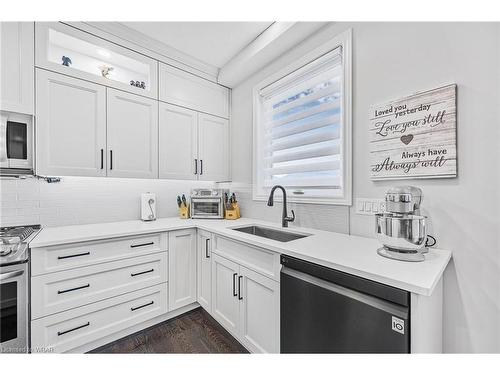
(105, 70)
(141, 85)
(66, 61)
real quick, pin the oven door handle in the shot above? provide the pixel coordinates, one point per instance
(3, 138)
(11, 275)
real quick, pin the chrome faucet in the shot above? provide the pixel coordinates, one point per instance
(284, 217)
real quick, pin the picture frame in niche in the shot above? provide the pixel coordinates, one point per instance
(415, 136)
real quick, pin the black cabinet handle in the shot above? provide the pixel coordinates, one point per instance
(140, 307)
(142, 244)
(73, 289)
(206, 248)
(60, 333)
(110, 159)
(239, 287)
(234, 285)
(102, 158)
(195, 166)
(141, 273)
(201, 167)
(73, 256)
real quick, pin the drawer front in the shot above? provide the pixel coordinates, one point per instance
(56, 292)
(71, 329)
(258, 259)
(57, 258)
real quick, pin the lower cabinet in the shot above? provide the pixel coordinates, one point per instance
(246, 303)
(181, 268)
(204, 270)
(76, 327)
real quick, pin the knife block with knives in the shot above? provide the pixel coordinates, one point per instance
(183, 207)
(232, 208)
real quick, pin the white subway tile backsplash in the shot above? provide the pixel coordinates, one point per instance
(82, 200)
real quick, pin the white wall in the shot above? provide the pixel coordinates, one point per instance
(84, 200)
(392, 60)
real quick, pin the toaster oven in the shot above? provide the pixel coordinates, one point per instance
(207, 203)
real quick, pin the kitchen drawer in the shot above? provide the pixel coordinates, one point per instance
(62, 257)
(56, 292)
(71, 329)
(258, 259)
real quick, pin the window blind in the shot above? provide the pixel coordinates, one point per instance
(302, 123)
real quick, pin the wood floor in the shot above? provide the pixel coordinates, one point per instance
(193, 332)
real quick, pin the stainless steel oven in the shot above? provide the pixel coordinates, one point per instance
(14, 287)
(14, 308)
(16, 144)
(207, 203)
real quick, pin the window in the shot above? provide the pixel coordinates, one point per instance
(302, 130)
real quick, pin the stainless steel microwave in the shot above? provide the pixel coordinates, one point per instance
(16, 144)
(207, 203)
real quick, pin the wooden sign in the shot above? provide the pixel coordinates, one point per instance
(415, 137)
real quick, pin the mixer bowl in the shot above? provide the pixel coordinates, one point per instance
(401, 232)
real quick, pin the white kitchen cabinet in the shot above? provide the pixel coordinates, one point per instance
(246, 303)
(70, 126)
(89, 54)
(17, 69)
(193, 145)
(187, 90)
(132, 135)
(181, 268)
(178, 142)
(204, 270)
(225, 303)
(259, 312)
(213, 148)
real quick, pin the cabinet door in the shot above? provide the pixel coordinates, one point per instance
(225, 304)
(187, 90)
(213, 146)
(259, 312)
(204, 279)
(181, 268)
(178, 141)
(70, 126)
(17, 70)
(132, 130)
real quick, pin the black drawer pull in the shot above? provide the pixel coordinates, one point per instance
(74, 255)
(140, 307)
(234, 285)
(142, 244)
(73, 329)
(73, 289)
(239, 287)
(141, 273)
(206, 248)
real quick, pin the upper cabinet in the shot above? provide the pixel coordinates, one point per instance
(213, 148)
(190, 91)
(64, 49)
(132, 135)
(71, 126)
(16, 62)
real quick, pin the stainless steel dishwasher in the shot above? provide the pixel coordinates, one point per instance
(327, 311)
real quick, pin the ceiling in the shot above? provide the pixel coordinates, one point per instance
(214, 43)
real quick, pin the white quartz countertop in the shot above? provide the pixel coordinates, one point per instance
(352, 254)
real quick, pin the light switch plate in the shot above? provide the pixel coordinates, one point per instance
(369, 206)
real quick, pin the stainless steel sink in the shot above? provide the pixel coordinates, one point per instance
(272, 234)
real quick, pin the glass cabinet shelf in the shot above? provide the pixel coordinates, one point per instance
(73, 52)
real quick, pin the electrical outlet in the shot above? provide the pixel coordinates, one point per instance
(369, 206)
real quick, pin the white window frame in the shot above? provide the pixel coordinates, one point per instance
(343, 40)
